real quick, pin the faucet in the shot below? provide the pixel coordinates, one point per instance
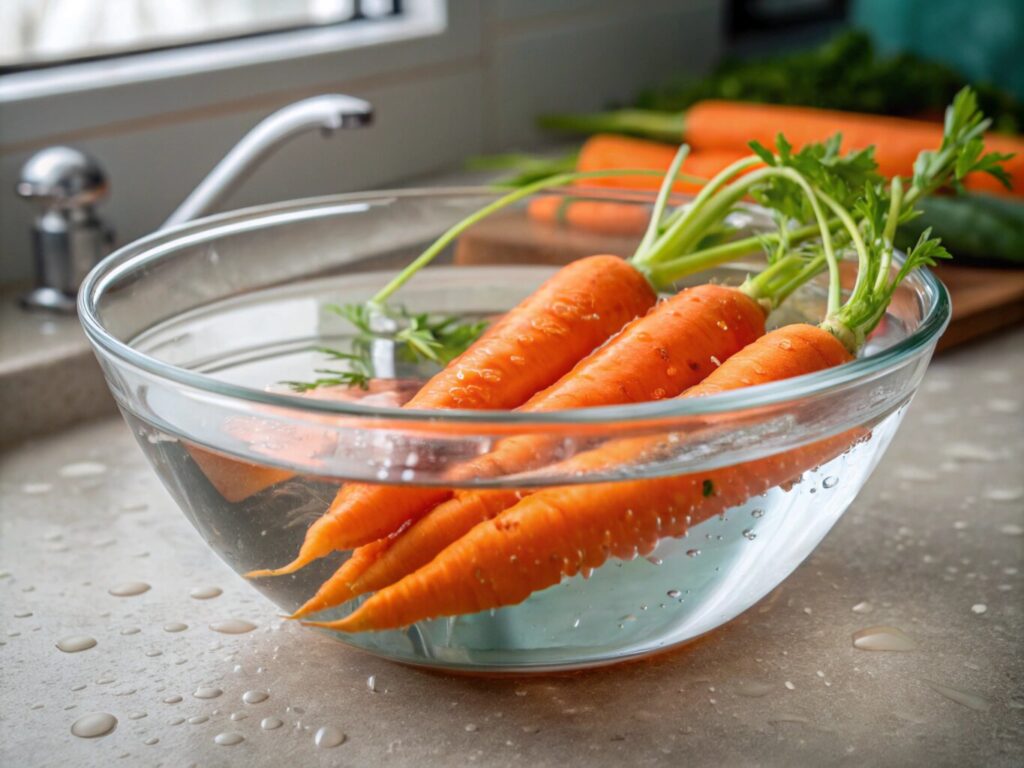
(69, 238)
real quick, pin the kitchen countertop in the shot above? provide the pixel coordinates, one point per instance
(934, 546)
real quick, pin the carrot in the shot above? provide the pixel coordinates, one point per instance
(729, 126)
(560, 531)
(532, 346)
(674, 346)
(604, 217)
(606, 151)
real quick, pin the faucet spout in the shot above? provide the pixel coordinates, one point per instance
(329, 113)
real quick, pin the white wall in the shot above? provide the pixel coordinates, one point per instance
(474, 88)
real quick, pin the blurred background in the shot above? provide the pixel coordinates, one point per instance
(159, 91)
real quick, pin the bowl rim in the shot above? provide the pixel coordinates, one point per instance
(164, 243)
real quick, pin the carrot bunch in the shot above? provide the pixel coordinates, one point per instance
(430, 551)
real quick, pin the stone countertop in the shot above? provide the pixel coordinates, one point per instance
(934, 546)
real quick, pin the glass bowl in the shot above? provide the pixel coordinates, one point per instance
(196, 327)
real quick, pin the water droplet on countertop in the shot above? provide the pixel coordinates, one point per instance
(471, 727)
(136, 715)
(969, 452)
(1003, 494)
(882, 639)
(23, 614)
(94, 725)
(175, 626)
(371, 683)
(784, 718)
(82, 469)
(753, 689)
(205, 593)
(979, 608)
(328, 736)
(255, 697)
(966, 698)
(76, 643)
(173, 699)
(129, 589)
(1003, 405)
(789, 686)
(151, 741)
(863, 607)
(176, 721)
(236, 716)
(233, 626)
(228, 739)
(36, 489)
(1012, 530)
(197, 719)
(130, 631)
(271, 723)
(79, 687)
(207, 692)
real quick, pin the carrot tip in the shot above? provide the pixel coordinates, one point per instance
(284, 570)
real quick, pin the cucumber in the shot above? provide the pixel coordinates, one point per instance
(975, 228)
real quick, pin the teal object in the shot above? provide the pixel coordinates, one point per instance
(982, 40)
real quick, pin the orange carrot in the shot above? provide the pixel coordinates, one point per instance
(659, 355)
(606, 151)
(604, 217)
(731, 126)
(560, 531)
(531, 347)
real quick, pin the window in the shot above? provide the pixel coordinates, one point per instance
(39, 33)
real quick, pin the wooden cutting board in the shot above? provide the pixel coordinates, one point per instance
(985, 300)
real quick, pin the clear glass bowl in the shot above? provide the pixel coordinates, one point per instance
(196, 326)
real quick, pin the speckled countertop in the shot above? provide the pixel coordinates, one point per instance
(934, 546)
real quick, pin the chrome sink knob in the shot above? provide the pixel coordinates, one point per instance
(68, 237)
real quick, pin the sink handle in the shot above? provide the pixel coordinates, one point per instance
(330, 112)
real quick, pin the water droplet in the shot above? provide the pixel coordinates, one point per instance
(130, 631)
(36, 489)
(129, 589)
(82, 469)
(1002, 405)
(271, 723)
(692, 552)
(471, 727)
(136, 715)
(79, 687)
(22, 614)
(255, 697)
(175, 626)
(173, 699)
(882, 639)
(966, 698)
(197, 719)
(757, 513)
(1012, 530)
(749, 534)
(94, 725)
(328, 736)
(371, 683)
(176, 721)
(979, 608)
(674, 594)
(970, 452)
(151, 741)
(207, 692)
(236, 716)
(228, 739)
(863, 607)
(152, 654)
(205, 593)
(76, 643)
(830, 482)
(1003, 494)
(753, 689)
(233, 626)
(789, 686)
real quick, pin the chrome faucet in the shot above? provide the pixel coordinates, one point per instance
(69, 238)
